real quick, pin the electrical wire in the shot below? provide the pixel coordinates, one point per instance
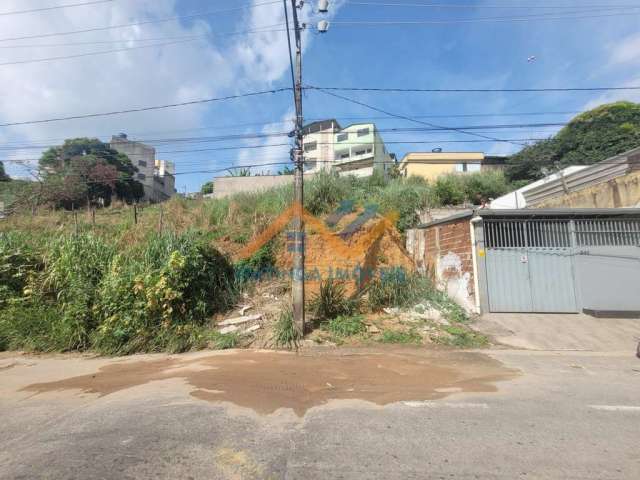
(124, 49)
(525, 18)
(472, 90)
(145, 22)
(55, 7)
(144, 109)
(404, 117)
(480, 6)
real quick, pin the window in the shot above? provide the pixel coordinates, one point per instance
(369, 150)
(309, 147)
(360, 152)
(363, 131)
(342, 155)
(341, 137)
(142, 176)
(142, 163)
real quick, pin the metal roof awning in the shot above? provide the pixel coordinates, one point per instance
(538, 213)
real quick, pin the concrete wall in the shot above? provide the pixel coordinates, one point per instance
(444, 253)
(143, 157)
(619, 192)
(225, 186)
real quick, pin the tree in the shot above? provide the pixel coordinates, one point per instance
(3, 176)
(589, 138)
(206, 188)
(286, 171)
(87, 171)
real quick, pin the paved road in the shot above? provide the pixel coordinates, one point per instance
(514, 414)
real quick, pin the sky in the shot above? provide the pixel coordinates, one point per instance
(128, 54)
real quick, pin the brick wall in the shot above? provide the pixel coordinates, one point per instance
(444, 252)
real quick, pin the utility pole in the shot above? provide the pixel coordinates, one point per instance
(297, 282)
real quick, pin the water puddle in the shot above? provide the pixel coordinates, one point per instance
(267, 381)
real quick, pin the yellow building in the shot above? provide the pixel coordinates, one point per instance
(430, 165)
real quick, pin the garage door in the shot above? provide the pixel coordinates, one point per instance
(530, 266)
(563, 265)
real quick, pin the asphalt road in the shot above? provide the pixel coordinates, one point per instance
(560, 415)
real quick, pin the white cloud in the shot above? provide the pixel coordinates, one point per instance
(626, 51)
(264, 156)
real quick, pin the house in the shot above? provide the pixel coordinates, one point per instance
(354, 150)
(430, 165)
(562, 260)
(157, 176)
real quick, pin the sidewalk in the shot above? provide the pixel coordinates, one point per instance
(561, 331)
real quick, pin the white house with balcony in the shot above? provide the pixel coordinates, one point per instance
(354, 150)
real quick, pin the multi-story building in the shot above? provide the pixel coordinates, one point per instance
(354, 150)
(430, 165)
(156, 176)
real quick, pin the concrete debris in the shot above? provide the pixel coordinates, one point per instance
(373, 329)
(252, 328)
(244, 308)
(391, 310)
(229, 329)
(239, 320)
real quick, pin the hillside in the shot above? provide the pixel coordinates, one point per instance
(590, 137)
(75, 281)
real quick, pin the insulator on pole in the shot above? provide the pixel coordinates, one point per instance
(323, 26)
(323, 6)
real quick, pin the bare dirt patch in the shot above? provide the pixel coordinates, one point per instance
(268, 381)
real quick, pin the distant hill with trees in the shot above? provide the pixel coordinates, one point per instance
(588, 138)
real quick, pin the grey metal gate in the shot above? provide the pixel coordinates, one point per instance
(529, 266)
(607, 264)
(564, 265)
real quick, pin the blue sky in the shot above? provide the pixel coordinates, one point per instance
(569, 52)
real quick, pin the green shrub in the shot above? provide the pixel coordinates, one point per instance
(154, 293)
(260, 265)
(73, 268)
(449, 190)
(345, 326)
(331, 301)
(325, 191)
(396, 336)
(285, 332)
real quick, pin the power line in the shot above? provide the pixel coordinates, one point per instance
(144, 109)
(124, 49)
(56, 7)
(573, 16)
(480, 6)
(410, 119)
(134, 24)
(472, 90)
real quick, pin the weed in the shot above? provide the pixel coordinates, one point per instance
(396, 336)
(463, 337)
(285, 332)
(331, 301)
(223, 341)
(345, 326)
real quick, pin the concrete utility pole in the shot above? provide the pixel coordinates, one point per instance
(297, 282)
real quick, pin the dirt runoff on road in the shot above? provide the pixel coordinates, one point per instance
(268, 381)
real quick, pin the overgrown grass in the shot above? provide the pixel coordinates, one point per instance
(285, 332)
(463, 337)
(153, 296)
(397, 336)
(345, 326)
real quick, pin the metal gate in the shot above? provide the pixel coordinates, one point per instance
(530, 266)
(562, 265)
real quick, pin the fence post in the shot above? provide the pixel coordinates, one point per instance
(135, 213)
(161, 219)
